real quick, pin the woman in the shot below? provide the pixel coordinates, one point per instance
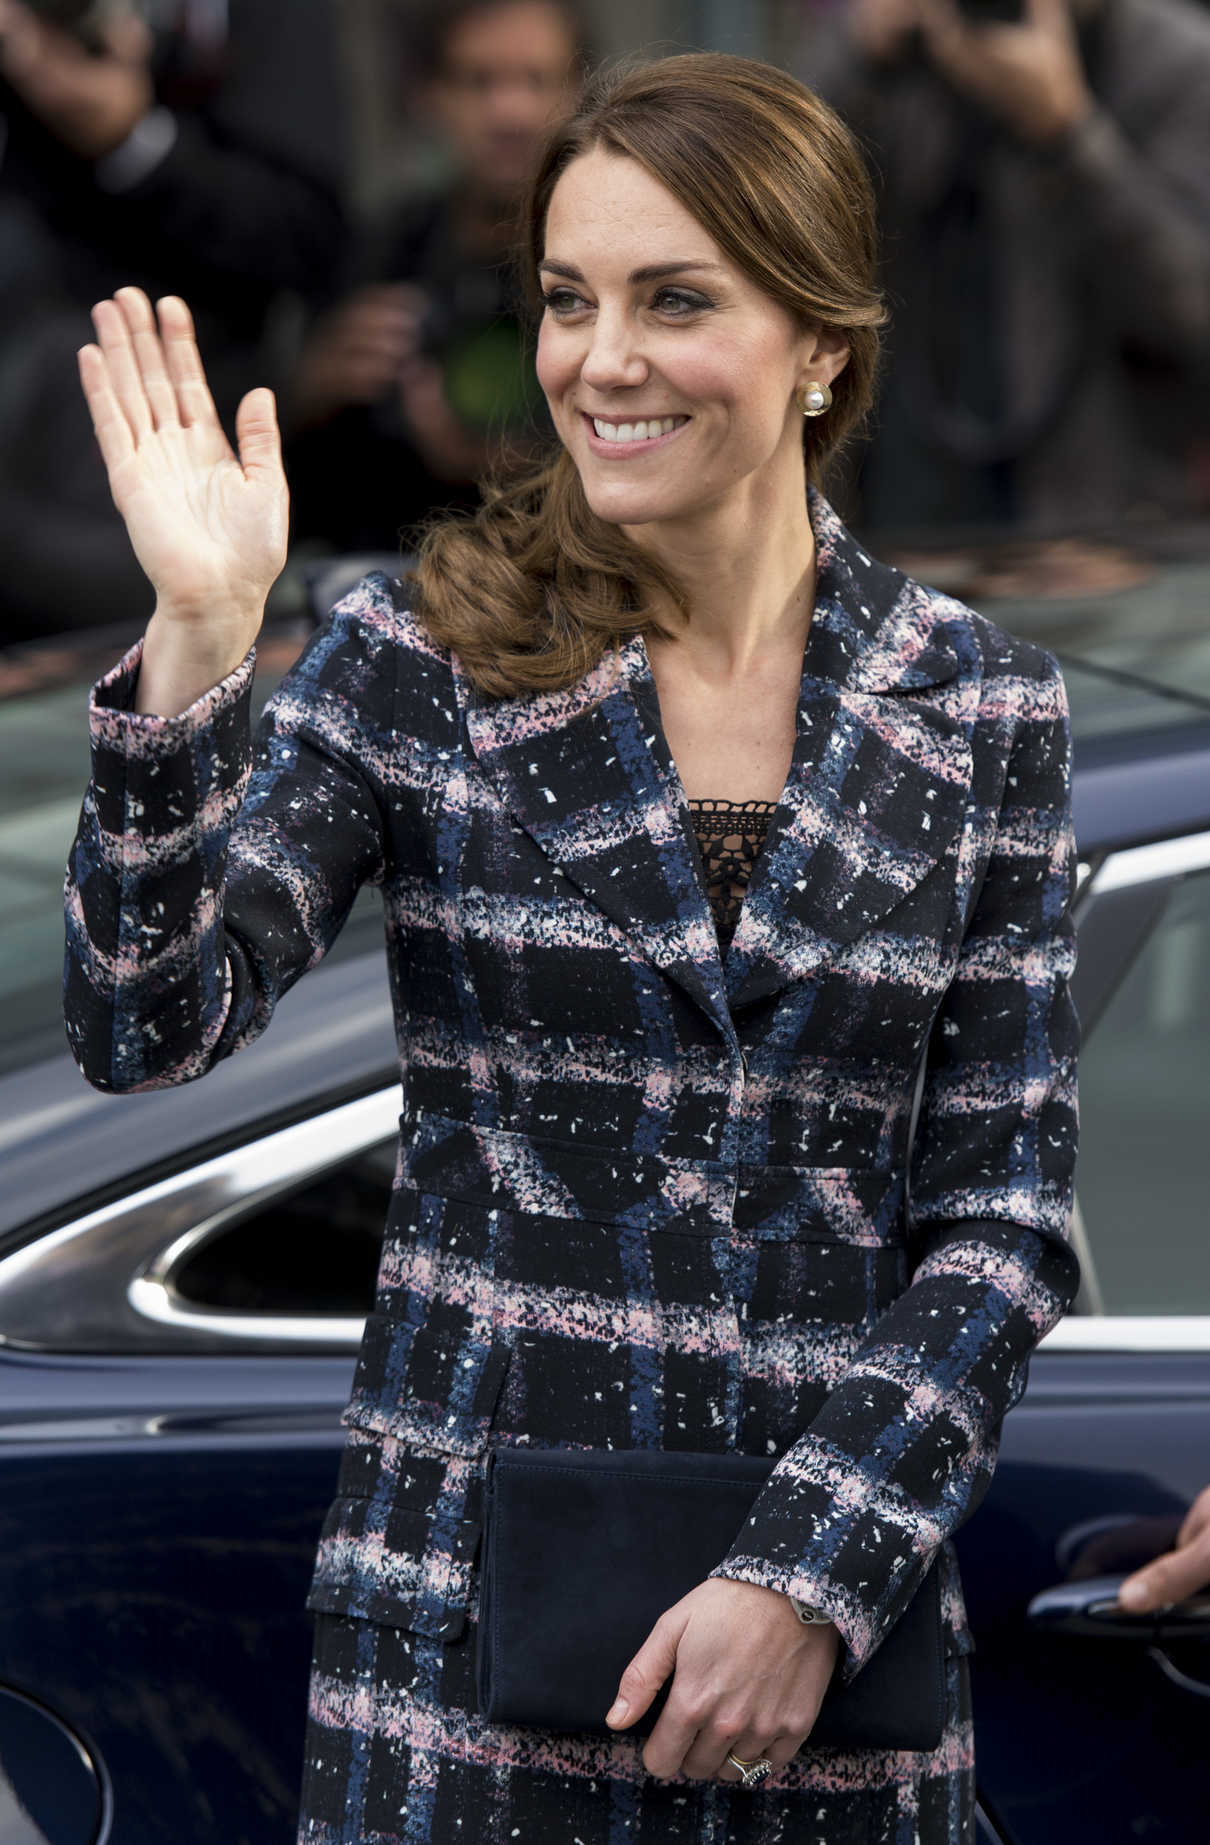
(653, 1160)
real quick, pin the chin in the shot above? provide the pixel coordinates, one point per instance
(623, 505)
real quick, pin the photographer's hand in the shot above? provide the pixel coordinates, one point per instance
(91, 101)
(882, 29)
(450, 450)
(355, 352)
(1181, 1572)
(209, 529)
(1030, 75)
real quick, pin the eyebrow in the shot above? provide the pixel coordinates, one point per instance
(650, 272)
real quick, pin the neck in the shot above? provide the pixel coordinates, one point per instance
(747, 568)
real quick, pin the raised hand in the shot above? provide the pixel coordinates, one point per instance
(208, 527)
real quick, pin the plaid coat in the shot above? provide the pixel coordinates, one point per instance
(646, 1196)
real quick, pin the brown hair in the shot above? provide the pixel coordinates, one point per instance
(534, 588)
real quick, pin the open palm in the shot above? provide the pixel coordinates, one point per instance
(208, 527)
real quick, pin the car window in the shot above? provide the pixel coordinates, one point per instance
(312, 1251)
(1145, 1120)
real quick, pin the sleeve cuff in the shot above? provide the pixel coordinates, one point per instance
(113, 721)
(150, 772)
(148, 144)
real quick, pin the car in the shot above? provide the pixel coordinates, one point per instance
(184, 1274)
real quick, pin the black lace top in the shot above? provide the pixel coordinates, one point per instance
(729, 836)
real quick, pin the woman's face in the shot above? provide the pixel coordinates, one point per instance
(670, 375)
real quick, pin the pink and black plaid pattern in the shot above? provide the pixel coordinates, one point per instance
(646, 1196)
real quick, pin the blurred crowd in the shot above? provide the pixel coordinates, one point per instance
(1044, 175)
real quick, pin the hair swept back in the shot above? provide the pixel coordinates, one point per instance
(533, 589)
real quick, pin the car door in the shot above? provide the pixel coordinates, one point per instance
(1093, 1727)
(173, 1364)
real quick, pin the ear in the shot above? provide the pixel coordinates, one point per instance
(825, 354)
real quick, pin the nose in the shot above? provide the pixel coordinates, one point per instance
(613, 359)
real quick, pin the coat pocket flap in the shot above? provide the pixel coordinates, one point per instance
(403, 1564)
(434, 1386)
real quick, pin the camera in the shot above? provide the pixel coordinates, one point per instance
(993, 12)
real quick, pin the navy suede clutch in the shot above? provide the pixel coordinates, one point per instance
(584, 1550)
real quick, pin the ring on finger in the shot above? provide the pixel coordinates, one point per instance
(751, 1773)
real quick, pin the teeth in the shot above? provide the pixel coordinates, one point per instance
(636, 432)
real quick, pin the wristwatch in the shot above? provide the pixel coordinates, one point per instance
(809, 1614)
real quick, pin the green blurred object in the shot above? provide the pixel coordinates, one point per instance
(489, 377)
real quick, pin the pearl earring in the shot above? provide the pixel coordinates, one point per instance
(814, 398)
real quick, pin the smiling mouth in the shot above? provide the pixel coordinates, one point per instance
(646, 429)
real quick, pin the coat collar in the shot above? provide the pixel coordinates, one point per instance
(876, 790)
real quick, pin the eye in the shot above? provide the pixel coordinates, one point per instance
(562, 301)
(680, 303)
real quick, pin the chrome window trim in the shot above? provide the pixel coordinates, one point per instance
(1124, 1332)
(1164, 858)
(122, 1291)
(1096, 1331)
(105, 1281)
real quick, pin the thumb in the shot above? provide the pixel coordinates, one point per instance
(257, 433)
(651, 1665)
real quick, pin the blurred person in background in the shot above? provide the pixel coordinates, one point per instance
(410, 382)
(197, 145)
(1045, 189)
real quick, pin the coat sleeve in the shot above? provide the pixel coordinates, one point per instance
(903, 1449)
(202, 884)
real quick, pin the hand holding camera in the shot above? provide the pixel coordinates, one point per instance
(83, 69)
(1018, 59)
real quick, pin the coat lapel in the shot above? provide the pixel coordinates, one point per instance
(588, 773)
(880, 776)
(877, 788)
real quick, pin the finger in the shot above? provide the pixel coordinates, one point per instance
(674, 1739)
(113, 337)
(128, 38)
(194, 402)
(785, 1747)
(1196, 1520)
(257, 433)
(1053, 16)
(950, 41)
(112, 431)
(651, 1665)
(1169, 1579)
(21, 43)
(149, 356)
(714, 1742)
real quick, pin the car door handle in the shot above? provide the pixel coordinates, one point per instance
(1091, 1609)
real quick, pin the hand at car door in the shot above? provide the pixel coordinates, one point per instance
(1181, 1572)
(208, 527)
